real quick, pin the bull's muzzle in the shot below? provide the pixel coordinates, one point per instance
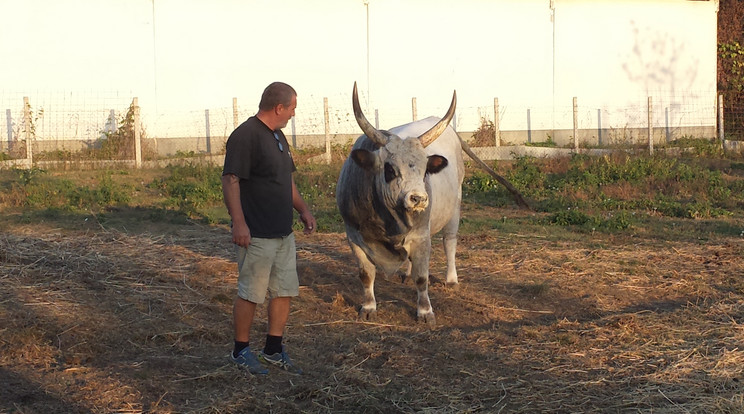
(416, 202)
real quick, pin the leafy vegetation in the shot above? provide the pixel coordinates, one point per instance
(36, 189)
(548, 143)
(731, 65)
(191, 189)
(613, 193)
(317, 185)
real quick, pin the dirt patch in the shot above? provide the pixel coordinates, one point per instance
(100, 320)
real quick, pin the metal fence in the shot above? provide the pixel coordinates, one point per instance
(72, 121)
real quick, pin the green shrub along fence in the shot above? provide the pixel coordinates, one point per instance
(616, 192)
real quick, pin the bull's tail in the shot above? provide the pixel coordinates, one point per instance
(515, 193)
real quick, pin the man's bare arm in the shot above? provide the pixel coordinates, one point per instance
(231, 193)
(305, 215)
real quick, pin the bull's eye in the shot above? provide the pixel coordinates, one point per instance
(389, 173)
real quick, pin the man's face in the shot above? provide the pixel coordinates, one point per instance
(285, 113)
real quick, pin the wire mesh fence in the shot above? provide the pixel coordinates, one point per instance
(733, 120)
(70, 122)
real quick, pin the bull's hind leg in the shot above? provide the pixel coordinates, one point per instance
(367, 271)
(449, 238)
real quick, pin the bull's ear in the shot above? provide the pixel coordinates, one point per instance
(435, 164)
(363, 158)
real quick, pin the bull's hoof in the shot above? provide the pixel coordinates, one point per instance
(403, 277)
(367, 314)
(452, 285)
(428, 318)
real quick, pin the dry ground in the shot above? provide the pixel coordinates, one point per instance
(97, 320)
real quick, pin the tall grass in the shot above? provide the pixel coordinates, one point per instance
(191, 189)
(585, 190)
(610, 193)
(36, 189)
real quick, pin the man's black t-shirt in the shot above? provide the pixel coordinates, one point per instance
(260, 158)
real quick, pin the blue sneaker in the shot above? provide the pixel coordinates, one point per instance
(246, 359)
(281, 360)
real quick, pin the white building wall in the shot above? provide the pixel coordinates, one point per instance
(616, 54)
(533, 55)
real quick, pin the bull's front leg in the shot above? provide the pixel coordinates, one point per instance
(420, 273)
(367, 270)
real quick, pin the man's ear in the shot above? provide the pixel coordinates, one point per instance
(363, 158)
(435, 164)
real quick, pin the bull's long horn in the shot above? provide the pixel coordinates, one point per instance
(429, 136)
(367, 128)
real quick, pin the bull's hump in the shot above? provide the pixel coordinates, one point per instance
(415, 128)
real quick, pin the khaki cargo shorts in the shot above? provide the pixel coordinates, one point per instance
(268, 266)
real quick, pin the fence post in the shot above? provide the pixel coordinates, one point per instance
(414, 109)
(9, 123)
(650, 126)
(294, 134)
(27, 131)
(377, 119)
(111, 124)
(327, 131)
(235, 113)
(667, 128)
(209, 136)
(721, 137)
(496, 127)
(137, 136)
(576, 123)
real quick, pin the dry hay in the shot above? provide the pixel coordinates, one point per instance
(108, 321)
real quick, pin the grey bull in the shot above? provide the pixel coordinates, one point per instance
(397, 189)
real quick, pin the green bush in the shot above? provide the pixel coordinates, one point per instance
(191, 187)
(44, 192)
(526, 176)
(620, 220)
(569, 217)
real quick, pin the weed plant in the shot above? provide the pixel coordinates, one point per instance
(36, 189)
(548, 143)
(191, 188)
(607, 192)
(618, 192)
(317, 185)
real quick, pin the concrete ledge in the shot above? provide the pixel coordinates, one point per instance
(484, 153)
(20, 163)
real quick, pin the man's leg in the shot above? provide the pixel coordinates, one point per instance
(274, 353)
(254, 267)
(278, 315)
(243, 313)
(278, 310)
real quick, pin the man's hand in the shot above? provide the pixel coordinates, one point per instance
(309, 221)
(241, 235)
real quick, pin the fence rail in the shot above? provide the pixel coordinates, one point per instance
(72, 125)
